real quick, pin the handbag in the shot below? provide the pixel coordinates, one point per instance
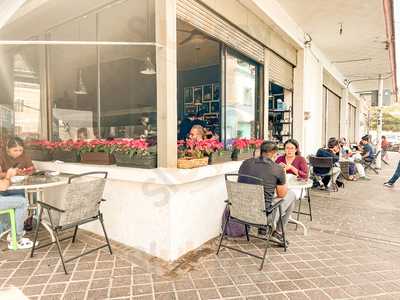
(233, 228)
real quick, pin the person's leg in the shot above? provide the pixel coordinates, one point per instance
(336, 172)
(20, 204)
(396, 175)
(360, 169)
(287, 206)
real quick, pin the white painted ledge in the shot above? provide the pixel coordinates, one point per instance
(161, 176)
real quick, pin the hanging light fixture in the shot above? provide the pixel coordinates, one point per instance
(80, 85)
(148, 66)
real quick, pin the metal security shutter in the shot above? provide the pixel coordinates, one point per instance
(332, 115)
(352, 114)
(199, 16)
(280, 71)
(331, 83)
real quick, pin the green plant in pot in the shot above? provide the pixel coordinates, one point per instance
(97, 152)
(40, 150)
(67, 151)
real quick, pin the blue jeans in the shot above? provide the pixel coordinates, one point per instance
(20, 204)
(396, 175)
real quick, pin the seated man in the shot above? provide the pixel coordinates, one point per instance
(368, 150)
(274, 178)
(325, 181)
(356, 158)
(19, 203)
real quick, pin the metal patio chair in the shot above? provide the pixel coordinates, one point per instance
(322, 162)
(71, 205)
(371, 163)
(247, 205)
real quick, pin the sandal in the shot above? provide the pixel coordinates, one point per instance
(23, 243)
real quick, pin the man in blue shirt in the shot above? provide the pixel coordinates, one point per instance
(368, 151)
(324, 174)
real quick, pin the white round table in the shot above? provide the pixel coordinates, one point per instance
(294, 183)
(36, 185)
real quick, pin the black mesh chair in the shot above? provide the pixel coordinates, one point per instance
(325, 163)
(246, 204)
(371, 163)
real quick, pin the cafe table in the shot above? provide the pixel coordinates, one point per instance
(299, 185)
(35, 185)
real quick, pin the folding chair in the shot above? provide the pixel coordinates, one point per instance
(371, 163)
(71, 205)
(322, 162)
(247, 205)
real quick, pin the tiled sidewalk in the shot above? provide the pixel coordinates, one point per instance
(351, 252)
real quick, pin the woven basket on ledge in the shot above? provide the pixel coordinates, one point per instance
(190, 163)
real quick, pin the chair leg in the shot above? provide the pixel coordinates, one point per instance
(60, 251)
(309, 203)
(74, 236)
(105, 233)
(55, 232)
(37, 230)
(283, 229)
(13, 232)
(246, 228)
(266, 248)
(223, 233)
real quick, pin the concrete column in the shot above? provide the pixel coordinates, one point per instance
(299, 91)
(166, 83)
(379, 122)
(266, 95)
(311, 78)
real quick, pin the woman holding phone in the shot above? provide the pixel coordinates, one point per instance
(14, 156)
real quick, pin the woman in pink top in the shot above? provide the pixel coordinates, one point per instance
(292, 161)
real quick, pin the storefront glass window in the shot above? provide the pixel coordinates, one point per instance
(240, 101)
(20, 83)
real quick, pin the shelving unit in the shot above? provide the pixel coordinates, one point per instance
(281, 127)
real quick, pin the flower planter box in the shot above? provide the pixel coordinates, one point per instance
(97, 158)
(190, 163)
(39, 154)
(142, 161)
(217, 158)
(241, 155)
(66, 156)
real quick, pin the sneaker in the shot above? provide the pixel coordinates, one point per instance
(365, 178)
(278, 238)
(23, 243)
(388, 184)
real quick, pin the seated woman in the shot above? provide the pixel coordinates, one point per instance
(14, 156)
(292, 161)
(19, 203)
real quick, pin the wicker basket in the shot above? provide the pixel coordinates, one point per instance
(190, 163)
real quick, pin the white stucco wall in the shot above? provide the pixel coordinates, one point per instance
(162, 212)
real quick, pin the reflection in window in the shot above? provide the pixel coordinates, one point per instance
(240, 97)
(20, 98)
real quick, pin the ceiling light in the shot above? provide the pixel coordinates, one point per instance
(148, 68)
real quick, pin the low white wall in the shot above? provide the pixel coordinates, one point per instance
(163, 212)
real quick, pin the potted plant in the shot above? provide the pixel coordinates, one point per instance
(194, 154)
(245, 148)
(97, 152)
(40, 150)
(67, 151)
(134, 153)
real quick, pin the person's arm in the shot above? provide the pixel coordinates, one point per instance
(302, 170)
(6, 182)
